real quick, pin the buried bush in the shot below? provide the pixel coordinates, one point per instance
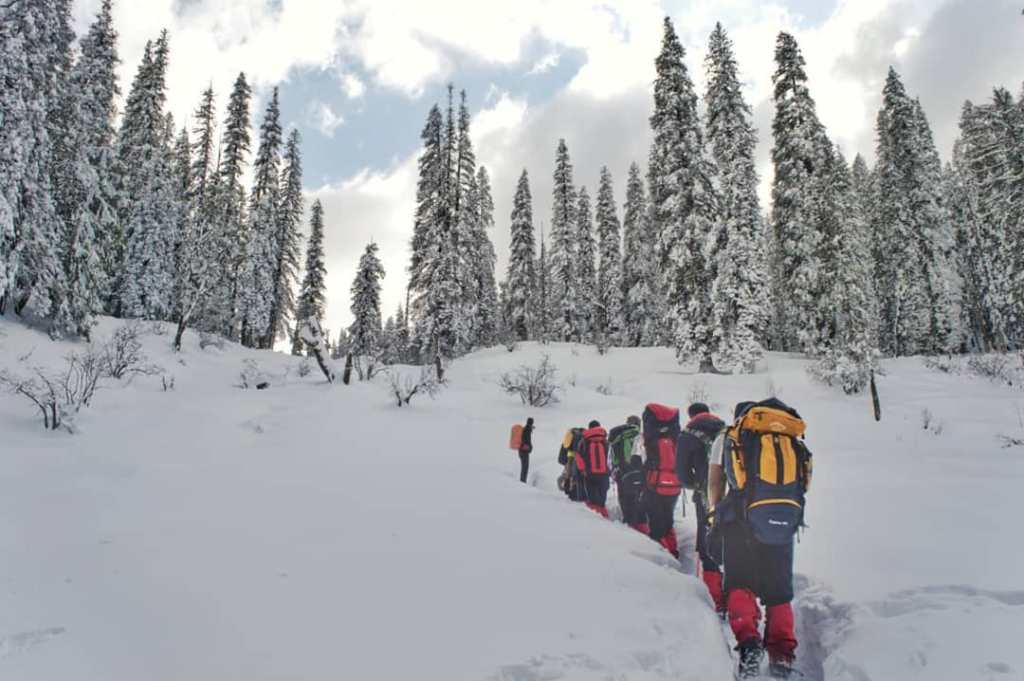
(536, 386)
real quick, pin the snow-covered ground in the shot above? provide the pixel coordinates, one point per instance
(313, 532)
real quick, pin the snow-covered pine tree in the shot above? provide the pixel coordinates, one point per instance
(181, 170)
(365, 330)
(520, 278)
(911, 228)
(428, 192)
(608, 325)
(849, 356)
(202, 251)
(798, 155)
(586, 265)
(642, 309)
(565, 290)
(486, 316)
(149, 210)
(312, 299)
(684, 204)
(264, 215)
(465, 199)
(543, 313)
(85, 195)
(35, 39)
(741, 280)
(401, 341)
(231, 210)
(288, 242)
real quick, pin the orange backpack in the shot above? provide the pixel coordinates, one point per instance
(515, 440)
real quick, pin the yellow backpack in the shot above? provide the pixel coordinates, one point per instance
(769, 464)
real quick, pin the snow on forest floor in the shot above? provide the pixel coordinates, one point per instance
(311, 531)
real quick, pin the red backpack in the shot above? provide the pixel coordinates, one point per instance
(661, 433)
(594, 457)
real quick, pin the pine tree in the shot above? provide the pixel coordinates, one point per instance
(684, 204)
(850, 356)
(262, 247)
(428, 193)
(586, 265)
(35, 39)
(799, 156)
(84, 184)
(740, 277)
(486, 312)
(231, 210)
(520, 279)
(643, 314)
(149, 211)
(543, 305)
(565, 292)
(609, 323)
(365, 331)
(312, 298)
(911, 230)
(287, 242)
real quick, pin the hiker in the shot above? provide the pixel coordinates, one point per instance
(622, 441)
(661, 433)
(569, 480)
(692, 456)
(525, 447)
(766, 466)
(631, 487)
(592, 461)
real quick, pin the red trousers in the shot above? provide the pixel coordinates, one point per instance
(745, 617)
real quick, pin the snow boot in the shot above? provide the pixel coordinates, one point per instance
(642, 528)
(782, 668)
(670, 543)
(751, 653)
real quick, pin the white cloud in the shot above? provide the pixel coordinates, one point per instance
(352, 86)
(325, 119)
(544, 64)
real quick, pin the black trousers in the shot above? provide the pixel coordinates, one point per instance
(660, 510)
(764, 569)
(708, 564)
(524, 465)
(629, 503)
(597, 489)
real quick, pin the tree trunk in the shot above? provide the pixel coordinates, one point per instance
(178, 335)
(347, 376)
(439, 368)
(323, 364)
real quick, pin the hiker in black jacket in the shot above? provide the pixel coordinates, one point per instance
(525, 447)
(692, 452)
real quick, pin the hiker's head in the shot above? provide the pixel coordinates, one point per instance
(697, 408)
(633, 421)
(529, 421)
(594, 424)
(741, 407)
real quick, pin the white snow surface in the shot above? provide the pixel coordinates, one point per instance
(315, 531)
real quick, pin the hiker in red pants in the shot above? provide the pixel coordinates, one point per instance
(764, 462)
(661, 433)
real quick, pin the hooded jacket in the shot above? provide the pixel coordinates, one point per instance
(693, 448)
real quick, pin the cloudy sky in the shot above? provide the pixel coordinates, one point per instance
(357, 78)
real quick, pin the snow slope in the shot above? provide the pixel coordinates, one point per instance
(318, 532)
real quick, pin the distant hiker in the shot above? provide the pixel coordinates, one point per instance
(661, 433)
(631, 487)
(621, 440)
(763, 460)
(570, 481)
(525, 447)
(592, 461)
(692, 455)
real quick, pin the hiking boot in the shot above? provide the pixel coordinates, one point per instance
(782, 668)
(751, 653)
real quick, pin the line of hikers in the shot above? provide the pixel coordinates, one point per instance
(748, 480)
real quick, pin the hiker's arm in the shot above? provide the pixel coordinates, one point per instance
(716, 484)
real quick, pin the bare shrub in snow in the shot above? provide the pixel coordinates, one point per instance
(699, 393)
(606, 388)
(251, 376)
(304, 369)
(405, 385)
(946, 364)
(158, 329)
(60, 395)
(511, 344)
(772, 388)
(995, 368)
(210, 340)
(929, 423)
(366, 367)
(536, 386)
(122, 355)
(167, 381)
